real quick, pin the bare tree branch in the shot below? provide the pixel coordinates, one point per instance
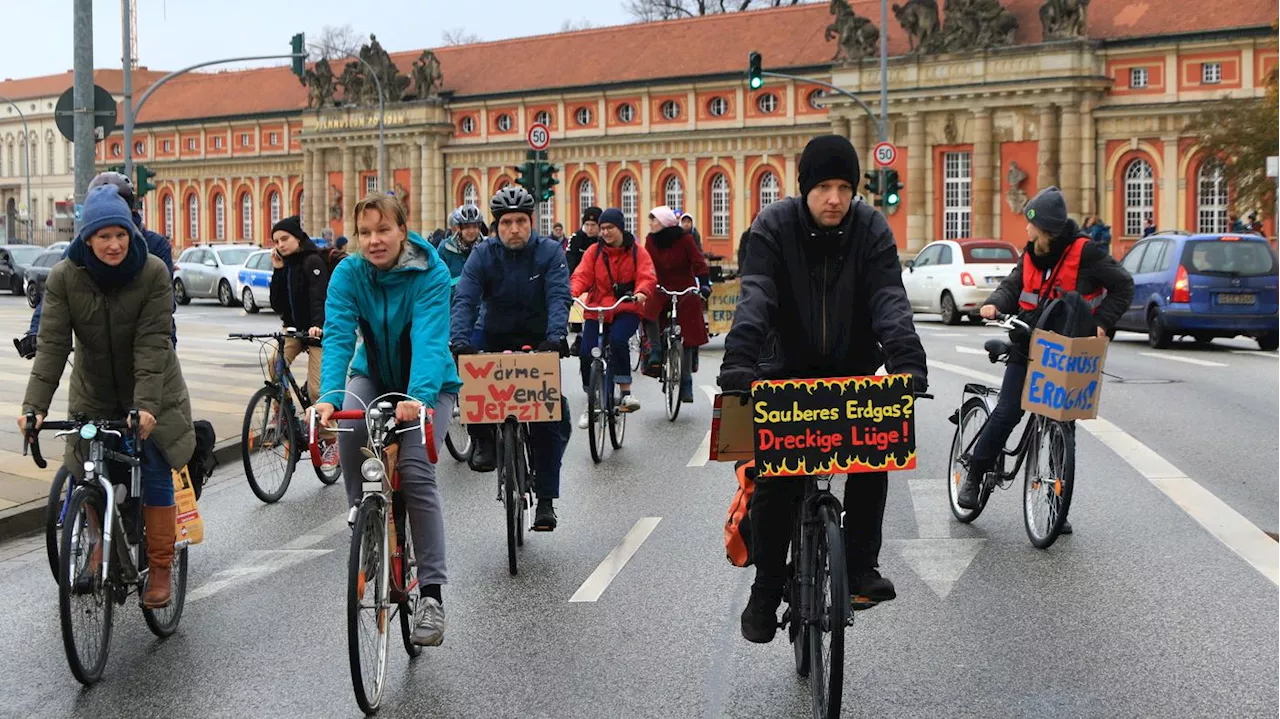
(652, 10)
(459, 36)
(335, 42)
(572, 25)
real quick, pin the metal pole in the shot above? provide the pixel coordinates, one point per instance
(127, 44)
(82, 98)
(884, 71)
(829, 86)
(26, 145)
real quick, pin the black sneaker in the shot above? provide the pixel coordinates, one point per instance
(484, 455)
(967, 497)
(1066, 527)
(760, 618)
(544, 517)
(868, 588)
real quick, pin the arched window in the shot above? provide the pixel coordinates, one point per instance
(1211, 197)
(193, 216)
(629, 200)
(219, 217)
(719, 205)
(768, 191)
(586, 194)
(1139, 196)
(673, 193)
(168, 216)
(246, 217)
(273, 203)
(469, 194)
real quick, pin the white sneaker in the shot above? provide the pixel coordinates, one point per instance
(428, 629)
(585, 420)
(628, 404)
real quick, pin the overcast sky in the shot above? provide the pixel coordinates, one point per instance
(176, 33)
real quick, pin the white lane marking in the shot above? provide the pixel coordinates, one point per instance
(969, 350)
(937, 558)
(1187, 360)
(711, 391)
(703, 453)
(950, 334)
(613, 563)
(1255, 353)
(966, 372)
(264, 563)
(1217, 517)
(930, 502)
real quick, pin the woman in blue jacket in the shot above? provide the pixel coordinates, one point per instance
(395, 293)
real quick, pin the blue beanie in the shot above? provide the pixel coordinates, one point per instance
(613, 216)
(104, 207)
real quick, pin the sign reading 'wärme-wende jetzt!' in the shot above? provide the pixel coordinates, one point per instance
(523, 385)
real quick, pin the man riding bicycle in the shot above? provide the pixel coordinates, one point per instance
(523, 284)
(395, 294)
(1059, 258)
(822, 296)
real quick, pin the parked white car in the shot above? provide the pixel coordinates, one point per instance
(953, 277)
(209, 271)
(254, 282)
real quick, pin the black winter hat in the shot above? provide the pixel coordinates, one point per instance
(591, 214)
(1048, 211)
(293, 225)
(828, 157)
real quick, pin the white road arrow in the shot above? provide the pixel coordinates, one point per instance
(936, 557)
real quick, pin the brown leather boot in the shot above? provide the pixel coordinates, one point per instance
(159, 525)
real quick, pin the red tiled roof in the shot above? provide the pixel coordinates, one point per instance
(50, 85)
(789, 37)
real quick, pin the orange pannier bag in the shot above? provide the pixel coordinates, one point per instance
(737, 528)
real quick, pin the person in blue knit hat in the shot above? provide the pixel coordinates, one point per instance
(115, 300)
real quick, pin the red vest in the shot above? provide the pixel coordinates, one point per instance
(1061, 280)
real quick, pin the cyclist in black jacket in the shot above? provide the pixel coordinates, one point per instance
(299, 285)
(822, 296)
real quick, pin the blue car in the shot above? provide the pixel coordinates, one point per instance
(255, 282)
(1203, 286)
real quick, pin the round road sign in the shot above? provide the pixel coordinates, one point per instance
(539, 136)
(885, 154)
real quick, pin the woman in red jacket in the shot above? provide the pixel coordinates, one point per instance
(678, 263)
(613, 267)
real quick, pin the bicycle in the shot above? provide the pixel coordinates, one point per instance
(96, 573)
(638, 345)
(381, 549)
(456, 438)
(1049, 475)
(601, 403)
(673, 353)
(270, 439)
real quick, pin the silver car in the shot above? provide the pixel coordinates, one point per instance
(210, 271)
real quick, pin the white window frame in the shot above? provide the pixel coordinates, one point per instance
(582, 116)
(769, 189)
(49, 151)
(586, 194)
(246, 217)
(546, 218)
(1211, 73)
(191, 144)
(1139, 196)
(957, 195)
(193, 215)
(370, 184)
(244, 139)
(220, 217)
(815, 99)
(139, 148)
(503, 123)
(670, 110)
(470, 195)
(542, 117)
(273, 138)
(167, 145)
(467, 124)
(1212, 201)
(273, 203)
(720, 205)
(629, 201)
(167, 220)
(718, 106)
(767, 103)
(1139, 78)
(673, 193)
(626, 113)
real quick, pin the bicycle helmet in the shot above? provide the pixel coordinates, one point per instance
(468, 215)
(511, 198)
(122, 183)
(453, 217)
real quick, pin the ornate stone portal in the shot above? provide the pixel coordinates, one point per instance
(856, 37)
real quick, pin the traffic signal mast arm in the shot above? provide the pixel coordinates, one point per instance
(755, 73)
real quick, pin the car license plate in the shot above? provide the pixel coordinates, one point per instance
(994, 279)
(1237, 298)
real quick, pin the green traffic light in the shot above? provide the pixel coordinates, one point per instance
(891, 199)
(756, 83)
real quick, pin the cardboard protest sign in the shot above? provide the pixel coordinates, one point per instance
(524, 385)
(731, 430)
(189, 526)
(1064, 376)
(843, 425)
(721, 305)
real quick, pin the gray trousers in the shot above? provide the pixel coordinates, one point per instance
(417, 477)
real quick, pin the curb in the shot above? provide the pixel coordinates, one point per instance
(28, 517)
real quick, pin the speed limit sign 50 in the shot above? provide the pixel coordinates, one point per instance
(539, 137)
(885, 153)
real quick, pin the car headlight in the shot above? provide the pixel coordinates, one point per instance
(371, 470)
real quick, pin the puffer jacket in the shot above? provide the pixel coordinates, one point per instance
(124, 355)
(298, 289)
(524, 294)
(627, 264)
(403, 315)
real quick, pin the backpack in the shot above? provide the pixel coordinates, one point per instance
(203, 461)
(737, 528)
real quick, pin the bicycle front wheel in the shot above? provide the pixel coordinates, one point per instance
(798, 590)
(85, 602)
(830, 605)
(59, 492)
(973, 417)
(1048, 481)
(163, 622)
(510, 494)
(597, 407)
(634, 346)
(616, 417)
(671, 380)
(267, 444)
(368, 608)
(457, 440)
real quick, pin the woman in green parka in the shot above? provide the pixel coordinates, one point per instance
(115, 300)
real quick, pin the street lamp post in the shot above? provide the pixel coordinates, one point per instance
(26, 149)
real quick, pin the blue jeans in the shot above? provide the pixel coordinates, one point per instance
(157, 476)
(620, 330)
(1004, 418)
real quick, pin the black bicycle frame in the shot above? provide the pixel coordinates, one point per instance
(1023, 447)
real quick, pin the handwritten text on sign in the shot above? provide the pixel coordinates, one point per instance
(496, 386)
(834, 426)
(721, 305)
(1064, 376)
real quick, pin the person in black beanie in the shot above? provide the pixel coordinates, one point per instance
(821, 296)
(1059, 258)
(585, 237)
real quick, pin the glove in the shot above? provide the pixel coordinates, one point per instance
(463, 348)
(919, 384)
(26, 346)
(736, 380)
(560, 346)
(704, 287)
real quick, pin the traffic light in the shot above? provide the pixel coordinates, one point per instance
(525, 177)
(873, 185)
(143, 184)
(892, 188)
(298, 49)
(547, 181)
(755, 77)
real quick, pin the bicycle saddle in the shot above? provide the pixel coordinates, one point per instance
(997, 349)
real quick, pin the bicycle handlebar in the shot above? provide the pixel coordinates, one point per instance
(426, 420)
(1009, 322)
(681, 293)
(31, 439)
(287, 334)
(587, 308)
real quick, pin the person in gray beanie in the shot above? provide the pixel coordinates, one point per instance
(1059, 258)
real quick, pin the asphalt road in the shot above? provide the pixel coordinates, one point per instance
(1142, 612)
